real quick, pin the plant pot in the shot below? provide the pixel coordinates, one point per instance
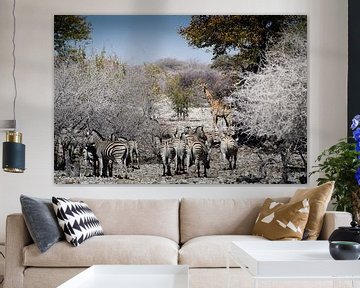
(351, 233)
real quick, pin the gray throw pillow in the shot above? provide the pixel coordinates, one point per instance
(41, 221)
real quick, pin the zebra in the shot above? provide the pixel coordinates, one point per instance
(200, 153)
(133, 149)
(178, 132)
(165, 132)
(198, 133)
(161, 131)
(197, 150)
(167, 153)
(180, 154)
(109, 151)
(187, 130)
(190, 136)
(134, 153)
(229, 149)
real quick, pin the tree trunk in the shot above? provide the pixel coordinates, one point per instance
(285, 162)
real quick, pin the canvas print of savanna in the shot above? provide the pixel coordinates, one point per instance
(193, 99)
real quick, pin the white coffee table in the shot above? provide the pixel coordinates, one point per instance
(131, 276)
(297, 260)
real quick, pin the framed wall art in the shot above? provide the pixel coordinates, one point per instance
(192, 99)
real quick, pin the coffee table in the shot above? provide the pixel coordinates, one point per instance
(293, 260)
(131, 276)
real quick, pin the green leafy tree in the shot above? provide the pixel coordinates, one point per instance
(68, 30)
(339, 163)
(242, 38)
(180, 95)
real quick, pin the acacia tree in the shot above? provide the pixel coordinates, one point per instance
(68, 30)
(237, 40)
(271, 104)
(108, 97)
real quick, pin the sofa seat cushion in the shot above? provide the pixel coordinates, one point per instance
(211, 251)
(107, 249)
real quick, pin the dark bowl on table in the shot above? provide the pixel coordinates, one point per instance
(344, 250)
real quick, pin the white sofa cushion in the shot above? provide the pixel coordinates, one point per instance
(107, 249)
(211, 251)
(201, 217)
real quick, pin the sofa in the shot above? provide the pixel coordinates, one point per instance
(190, 231)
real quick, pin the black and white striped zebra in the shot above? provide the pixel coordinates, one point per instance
(229, 149)
(133, 155)
(189, 141)
(197, 132)
(190, 136)
(200, 154)
(167, 153)
(196, 150)
(180, 155)
(161, 131)
(107, 151)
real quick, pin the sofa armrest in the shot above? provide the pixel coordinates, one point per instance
(17, 237)
(333, 220)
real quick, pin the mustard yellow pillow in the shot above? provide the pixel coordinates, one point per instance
(279, 221)
(319, 198)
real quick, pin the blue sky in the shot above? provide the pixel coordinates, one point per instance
(136, 39)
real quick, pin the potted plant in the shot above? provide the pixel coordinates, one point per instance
(341, 163)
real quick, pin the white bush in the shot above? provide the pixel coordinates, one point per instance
(272, 102)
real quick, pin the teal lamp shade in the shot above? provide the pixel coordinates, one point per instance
(13, 153)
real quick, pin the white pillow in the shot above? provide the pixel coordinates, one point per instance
(76, 220)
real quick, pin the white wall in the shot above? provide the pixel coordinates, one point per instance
(327, 56)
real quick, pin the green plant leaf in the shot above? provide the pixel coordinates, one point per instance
(339, 163)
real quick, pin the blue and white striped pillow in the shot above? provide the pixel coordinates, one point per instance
(77, 220)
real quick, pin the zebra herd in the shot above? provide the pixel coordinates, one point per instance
(193, 147)
(90, 154)
(81, 153)
(190, 147)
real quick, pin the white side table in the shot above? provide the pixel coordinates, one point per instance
(287, 261)
(131, 276)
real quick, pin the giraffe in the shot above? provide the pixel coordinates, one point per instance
(218, 108)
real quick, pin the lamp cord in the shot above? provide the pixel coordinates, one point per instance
(14, 60)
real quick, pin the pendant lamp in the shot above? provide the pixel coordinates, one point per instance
(13, 149)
